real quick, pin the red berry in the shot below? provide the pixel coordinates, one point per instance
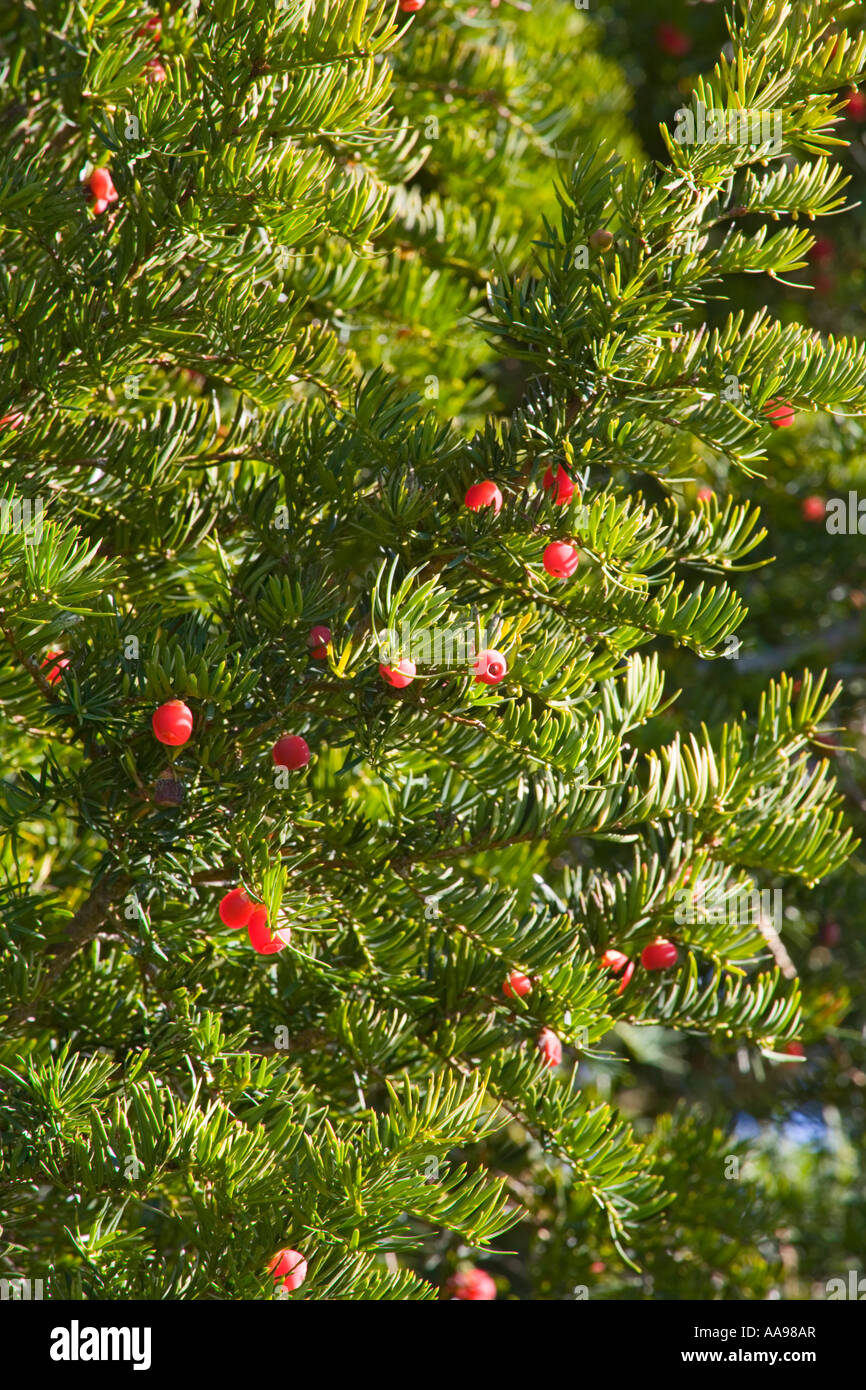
(823, 250)
(672, 40)
(560, 559)
(485, 494)
(291, 751)
(659, 954)
(814, 509)
(629, 971)
(856, 107)
(172, 723)
(102, 187)
(705, 494)
(260, 934)
(615, 961)
(411, 6)
(490, 667)
(151, 29)
(517, 985)
(56, 662)
(561, 483)
(319, 637)
(290, 1263)
(550, 1047)
(398, 676)
(795, 1049)
(154, 70)
(473, 1285)
(831, 934)
(236, 908)
(779, 414)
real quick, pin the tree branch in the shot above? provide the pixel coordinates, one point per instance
(83, 928)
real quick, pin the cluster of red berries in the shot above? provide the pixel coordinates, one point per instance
(489, 667)
(289, 1268)
(660, 954)
(487, 494)
(173, 722)
(237, 910)
(517, 986)
(559, 559)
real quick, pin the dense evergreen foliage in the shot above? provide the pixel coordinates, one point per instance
(346, 265)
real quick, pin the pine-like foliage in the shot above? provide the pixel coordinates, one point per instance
(248, 398)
